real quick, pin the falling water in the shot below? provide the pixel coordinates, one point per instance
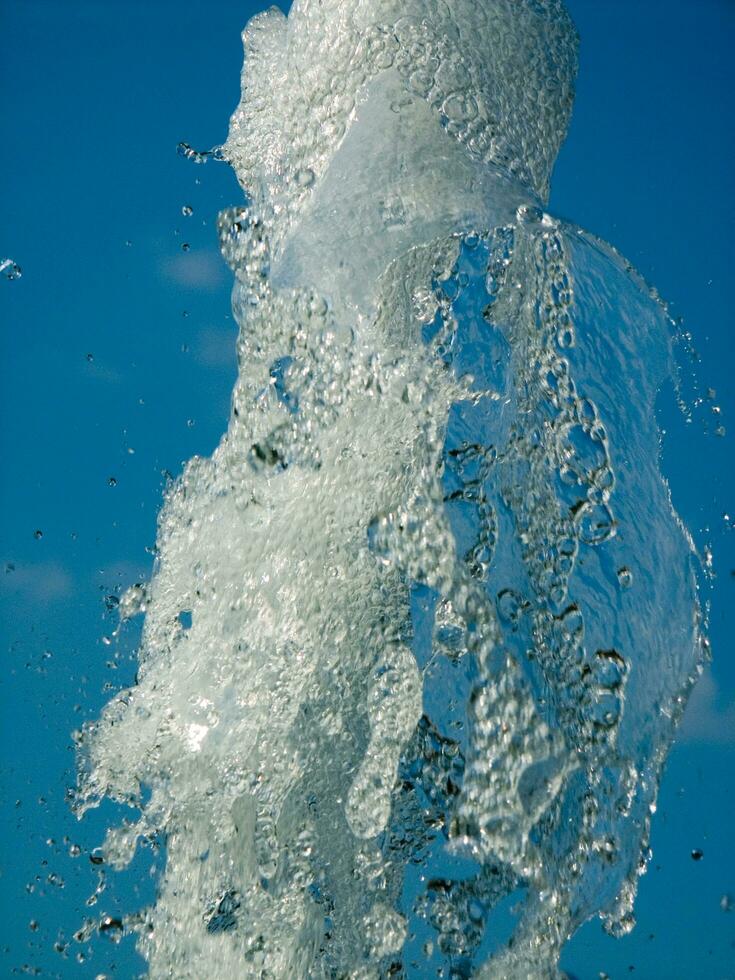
(421, 629)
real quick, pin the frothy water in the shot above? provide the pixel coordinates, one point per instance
(421, 629)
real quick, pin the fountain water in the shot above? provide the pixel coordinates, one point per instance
(421, 628)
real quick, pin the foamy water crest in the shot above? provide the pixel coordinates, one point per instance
(421, 629)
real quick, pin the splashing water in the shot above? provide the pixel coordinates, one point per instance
(422, 627)
(10, 269)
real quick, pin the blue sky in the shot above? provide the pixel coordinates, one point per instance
(117, 355)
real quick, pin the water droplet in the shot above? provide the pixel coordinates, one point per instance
(10, 269)
(187, 210)
(111, 926)
(189, 153)
(132, 601)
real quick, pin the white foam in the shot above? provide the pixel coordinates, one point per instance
(408, 644)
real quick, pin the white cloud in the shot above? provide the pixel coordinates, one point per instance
(40, 582)
(215, 347)
(203, 270)
(706, 720)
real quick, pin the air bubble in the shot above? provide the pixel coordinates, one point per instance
(510, 605)
(305, 177)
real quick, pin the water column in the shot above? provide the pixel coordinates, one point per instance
(421, 628)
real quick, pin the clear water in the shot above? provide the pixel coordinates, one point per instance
(421, 629)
